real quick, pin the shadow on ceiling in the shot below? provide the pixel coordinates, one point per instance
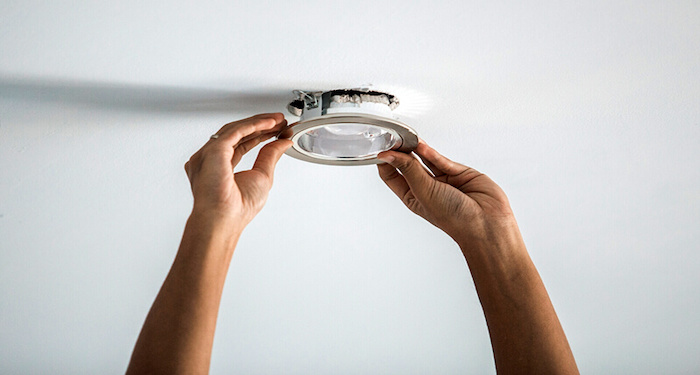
(142, 98)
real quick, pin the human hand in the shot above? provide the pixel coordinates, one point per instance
(239, 196)
(475, 212)
(465, 204)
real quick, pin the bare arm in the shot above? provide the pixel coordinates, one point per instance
(525, 332)
(178, 333)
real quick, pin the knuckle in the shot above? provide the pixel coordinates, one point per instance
(409, 200)
(412, 203)
(387, 173)
(406, 164)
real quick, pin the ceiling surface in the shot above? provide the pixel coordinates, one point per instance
(586, 113)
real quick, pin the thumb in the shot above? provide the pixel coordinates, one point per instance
(269, 155)
(417, 177)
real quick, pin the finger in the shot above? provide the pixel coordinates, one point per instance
(435, 170)
(232, 133)
(248, 145)
(187, 169)
(394, 180)
(248, 132)
(234, 124)
(269, 155)
(427, 166)
(250, 129)
(260, 135)
(417, 177)
(433, 159)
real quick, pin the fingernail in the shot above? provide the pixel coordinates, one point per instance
(386, 158)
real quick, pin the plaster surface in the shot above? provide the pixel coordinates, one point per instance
(586, 113)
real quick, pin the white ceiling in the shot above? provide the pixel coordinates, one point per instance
(586, 113)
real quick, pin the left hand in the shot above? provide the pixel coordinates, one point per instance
(239, 196)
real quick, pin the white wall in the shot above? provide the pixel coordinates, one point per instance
(587, 115)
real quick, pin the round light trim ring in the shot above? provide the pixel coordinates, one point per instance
(406, 138)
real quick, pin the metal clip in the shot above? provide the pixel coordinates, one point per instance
(305, 100)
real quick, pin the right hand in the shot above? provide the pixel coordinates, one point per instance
(465, 204)
(474, 211)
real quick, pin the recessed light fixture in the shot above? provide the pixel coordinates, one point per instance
(346, 127)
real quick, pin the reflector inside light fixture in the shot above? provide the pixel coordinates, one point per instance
(346, 141)
(346, 127)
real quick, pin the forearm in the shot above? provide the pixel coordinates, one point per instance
(526, 335)
(178, 333)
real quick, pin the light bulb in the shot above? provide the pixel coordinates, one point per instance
(357, 141)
